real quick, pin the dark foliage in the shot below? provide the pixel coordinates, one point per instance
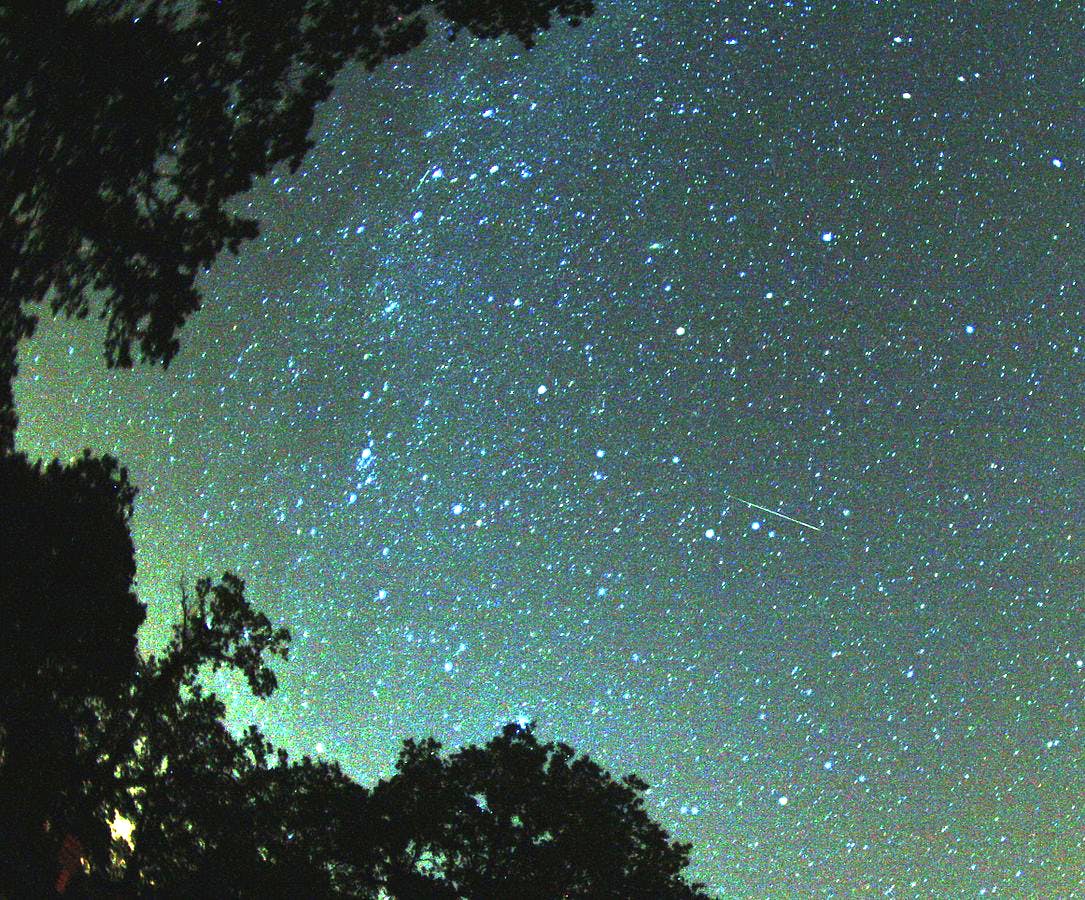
(66, 570)
(521, 819)
(68, 642)
(163, 756)
(513, 818)
(215, 815)
(128, 127)
(218, 815)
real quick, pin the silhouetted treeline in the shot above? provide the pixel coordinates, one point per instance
(128, 128)
(93, 734)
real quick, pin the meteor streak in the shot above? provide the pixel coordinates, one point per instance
(773, 512)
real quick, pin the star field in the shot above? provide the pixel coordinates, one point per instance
(471, 414)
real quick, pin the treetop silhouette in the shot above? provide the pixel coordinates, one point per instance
(129, 127)
(520, 818)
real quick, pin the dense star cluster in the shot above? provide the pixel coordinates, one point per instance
(474, 414)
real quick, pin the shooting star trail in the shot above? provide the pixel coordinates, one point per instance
(773, 512)
(423, 179)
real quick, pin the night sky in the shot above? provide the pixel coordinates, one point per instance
(472, 414)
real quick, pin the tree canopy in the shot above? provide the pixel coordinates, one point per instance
(92, 733)
(68, 642)
(209, 813)
(128, 128)
(519, 818)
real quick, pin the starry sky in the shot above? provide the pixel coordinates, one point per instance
(472, 415)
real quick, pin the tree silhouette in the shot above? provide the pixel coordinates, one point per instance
(163, 757)
(115, 735)
(216, 816)
(129, 127)
(68, 642)
(521, 819)
(512, 818)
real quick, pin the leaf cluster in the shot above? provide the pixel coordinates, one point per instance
(128, 128)
(517, 817)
